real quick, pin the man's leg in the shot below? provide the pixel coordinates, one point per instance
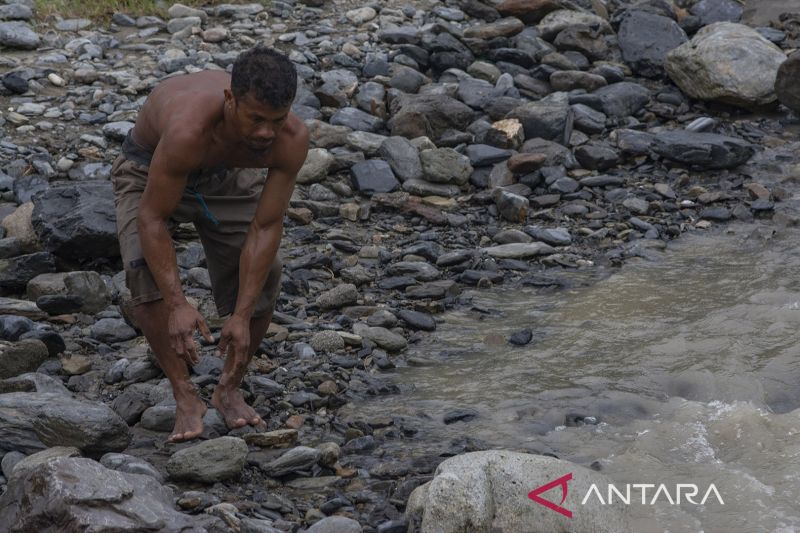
(151, 318)
(227, 396)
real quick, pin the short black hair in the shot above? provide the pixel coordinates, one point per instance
(267, 74)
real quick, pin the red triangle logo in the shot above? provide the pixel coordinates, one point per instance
(560, 482)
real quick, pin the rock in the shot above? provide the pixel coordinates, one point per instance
(519, 250)
(512, 207)
(335, 524)
(117, 130)
(356, 119)
(384, 338)
(428, 115)
(711, 11)
(361, 15)
(550, 118)
(373, 175)
(271, 439)
(236, 10)
(296, 459)
(180, 11)
(786, 87)
(588, 120)
(327, 341)
(505, 27)
(130, 465)
(33, 382)
(77, 222)
(30, 422)
(210, 461)
(703, 150)
(15, 12)
(23, 464)
(758, 13)
(445, 165)
(568, 80)
(20, 357)
(18, 35)
(15, 273)
(596, 156)
(403, 158)
(555, 22)
(179, 24)
(727, 62)
(481, 491)
(111, 330)
(646, 38)
(10, 306)
(18, 224)
(339, 296)
(551, 236)
(483, 155)
(622, 99)
(528, 11)
(417, 320)
(86, 286)
(426, 188)
(87, 497)
(73, 24)
(506, 133)
(318, 163)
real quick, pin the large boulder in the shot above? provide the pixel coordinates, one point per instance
(487, 491)
(702, 150)
(646, 38)
(428, 115)
(31, 421)
(77, 222)
(19, 35)
(79, 494)
(728, 62)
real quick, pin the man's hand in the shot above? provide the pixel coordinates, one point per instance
(183, 321)
(234, 341)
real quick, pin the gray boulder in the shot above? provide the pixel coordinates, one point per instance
(31, 421)
(488, 491)
(787, 87)
(728, 62)
(18, 35)
(85, 496)
(622, 99)
(703, 150)
(77, 222)
(549, 118)
(445, 165)
(428, 115)
(373, 175)
(403, 158)
(210, 461)
(646, 38)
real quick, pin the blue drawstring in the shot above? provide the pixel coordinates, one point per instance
(206, 210)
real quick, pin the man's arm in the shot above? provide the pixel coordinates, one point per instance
(266, 229)
(173, 159)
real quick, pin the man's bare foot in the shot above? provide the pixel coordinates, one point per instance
(188, 418)
(233, 408)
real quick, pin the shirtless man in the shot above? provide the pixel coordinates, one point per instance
(192, 156)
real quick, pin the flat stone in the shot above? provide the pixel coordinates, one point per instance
(519, 250)
(210, 461)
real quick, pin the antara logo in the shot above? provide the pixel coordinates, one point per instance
(689, 491)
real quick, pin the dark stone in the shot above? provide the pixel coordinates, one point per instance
(595, 156)
(703, 150)
(12, 327)
(720, 214)
(588, 120)
(463, 415)
(550, 118)
(622, 99)
(77, 222)
(786, 85)
(373, 175)
(645, 39)
(15, 83)
(711, 11)
(483, 155)
(428, 115)
(59, 304)
(417, 320)
(521, 338)
(356, 119)
(15, 273)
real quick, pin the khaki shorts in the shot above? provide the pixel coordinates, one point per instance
(221, 204)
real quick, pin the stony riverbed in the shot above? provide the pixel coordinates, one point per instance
(460, 144)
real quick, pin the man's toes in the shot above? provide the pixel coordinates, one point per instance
(239, 422)
(175, 437)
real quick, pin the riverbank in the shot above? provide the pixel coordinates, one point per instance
(454, 147)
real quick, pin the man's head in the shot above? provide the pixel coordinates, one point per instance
(263, 86)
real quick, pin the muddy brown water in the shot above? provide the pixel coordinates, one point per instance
(690, 363)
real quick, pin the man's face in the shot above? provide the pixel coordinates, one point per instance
(258, 123)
